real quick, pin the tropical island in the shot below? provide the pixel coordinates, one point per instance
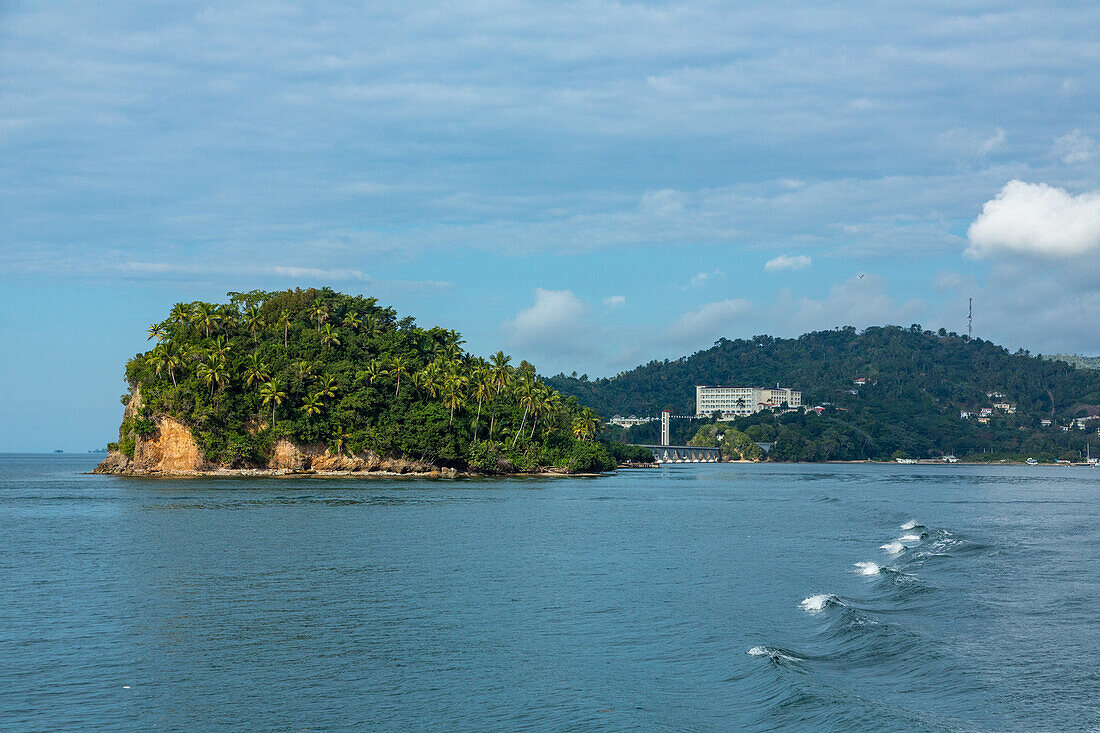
(882, 393)
(316, 381)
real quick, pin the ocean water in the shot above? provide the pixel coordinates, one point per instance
(688, 598)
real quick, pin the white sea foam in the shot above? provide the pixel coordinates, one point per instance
(894, 548)
(767, 651)
(868, 568)
(911, 524)
(818, 602)
(909, 538)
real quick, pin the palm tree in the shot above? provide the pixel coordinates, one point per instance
(338, 439)
(329, 336)
(284, 321)
(370, 324)
(304, 368)
(483, 390)
(180, 314)
(431, 378)
(548, 404)
(270, 392)
(328, 387)
(398, 367)
(255, 370)
(213, 374)
(227, 318)
(525, 390)
(586, 424)
(351, 321)
(203, 315)
(156, 331)
(453, 386)
(253, 320)
(372, 373)
(172, 359)
(500, 373)
(319, 313)
(157, 359)
(312, 405)
(221, 347)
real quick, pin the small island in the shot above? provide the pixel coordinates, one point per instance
(315, 381)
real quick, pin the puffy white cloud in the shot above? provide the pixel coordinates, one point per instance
(1075, 147)
(614, 301)
(1036, 219)
(709, 322)
(554, 326)
(788, 262)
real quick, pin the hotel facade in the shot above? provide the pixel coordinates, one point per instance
(739, 401)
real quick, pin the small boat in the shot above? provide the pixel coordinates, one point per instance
(1032, 462)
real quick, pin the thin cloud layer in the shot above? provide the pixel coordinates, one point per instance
(788, 262)
(1036, 219)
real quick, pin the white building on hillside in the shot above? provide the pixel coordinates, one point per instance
(629, 422)
(738, 401)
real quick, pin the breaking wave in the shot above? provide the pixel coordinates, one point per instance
(820, 602)
(893, 548)
(774, 653)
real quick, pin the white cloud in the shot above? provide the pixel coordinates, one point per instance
(701, 279)
(1036, 219)
(553, 326)
(968, 142)
(710, 321)
(858, 301)
(991, 143)
(614, 301)
(171, 268)
(1075, 147)
(662, 203)
(788, 262)
(946, 281)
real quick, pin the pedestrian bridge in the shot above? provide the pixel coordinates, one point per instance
(684, 454)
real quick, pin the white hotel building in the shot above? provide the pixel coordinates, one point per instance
(740, 401)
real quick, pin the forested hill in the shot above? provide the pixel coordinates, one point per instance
(317, 367)
(917, 383)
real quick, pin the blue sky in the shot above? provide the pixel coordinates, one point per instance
(587, 185)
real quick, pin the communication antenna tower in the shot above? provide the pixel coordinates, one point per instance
(970, 321)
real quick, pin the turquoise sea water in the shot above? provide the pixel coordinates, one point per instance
(693, 598)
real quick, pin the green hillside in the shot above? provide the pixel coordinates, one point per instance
(1081, 362)
(918, 382)
(321, 367)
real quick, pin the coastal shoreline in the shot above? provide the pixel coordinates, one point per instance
(446, 473)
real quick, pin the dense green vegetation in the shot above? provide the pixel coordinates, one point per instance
(318, 366)
(918, 382)
(1081, 362)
